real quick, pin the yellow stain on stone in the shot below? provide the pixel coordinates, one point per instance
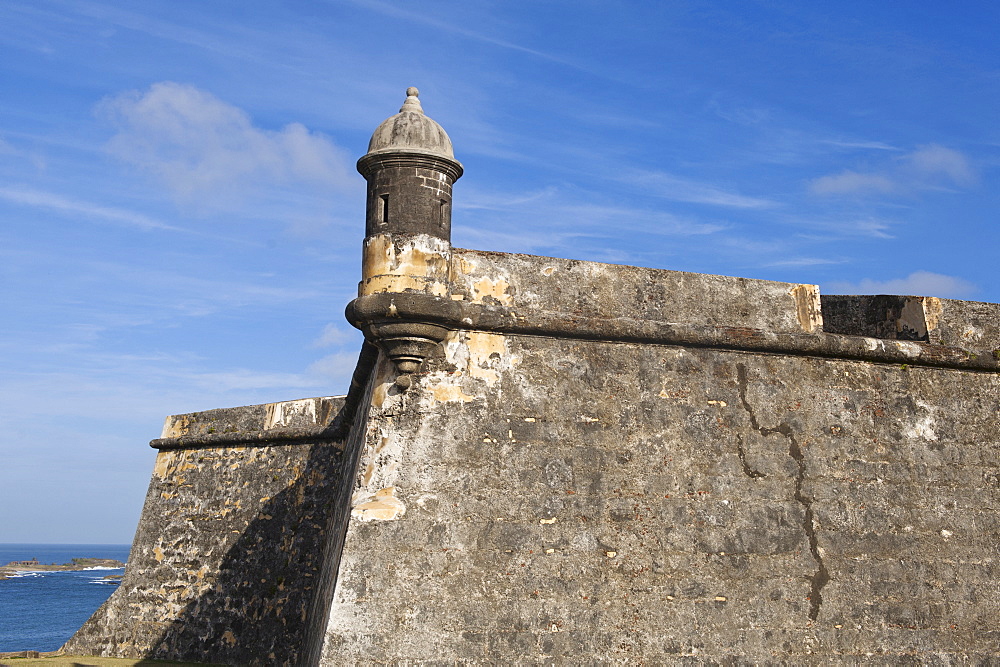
(163, 463)
(482, 348)
(175, 426)
(394, 283)
(497, 289)
(229, 637)
(158, 554)
(807, 307)
(413, 256)
(546, 522)
(932, 312)
(450, 393)
(369, 473)
(419, 263)
(466, 267)
(384, 506)
(285, 412)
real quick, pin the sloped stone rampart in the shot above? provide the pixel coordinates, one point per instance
(231, 561)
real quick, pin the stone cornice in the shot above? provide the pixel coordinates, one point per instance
(462, 315)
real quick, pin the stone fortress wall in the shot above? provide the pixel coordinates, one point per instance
(550, 461)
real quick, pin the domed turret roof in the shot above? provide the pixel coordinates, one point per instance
(410, 131)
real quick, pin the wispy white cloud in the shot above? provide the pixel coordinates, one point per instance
(334, 334)
(852, 182)
(244, 379)
(933, 162)
(738, 112)
(837, 228)
(638, 219)
(806, 261)
(859, 145)
(334, 370)
(930, 167)
(425, 18)
(206, 150)
(675, 188)
(494, 201)
(543, 220)
(868, 227)
(30, 197)
(920, 283)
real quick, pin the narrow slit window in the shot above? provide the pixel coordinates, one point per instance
(443, 213)
(384, 208)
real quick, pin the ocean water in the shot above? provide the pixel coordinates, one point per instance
(40, 611)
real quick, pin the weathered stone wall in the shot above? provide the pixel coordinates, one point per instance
(242, 523)
(579, 502)
(671, 467)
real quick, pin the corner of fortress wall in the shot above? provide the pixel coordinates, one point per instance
(598, 464)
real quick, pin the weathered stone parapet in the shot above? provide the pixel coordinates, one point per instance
(459, 315)
(966, 324)
(528, 283)
(267, 424)
(321, 419)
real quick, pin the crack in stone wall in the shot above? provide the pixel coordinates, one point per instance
(821, 576)
(747, 470)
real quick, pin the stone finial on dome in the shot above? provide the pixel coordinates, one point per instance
(412, 102)
(410, 131)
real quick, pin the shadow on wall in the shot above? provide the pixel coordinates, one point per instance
(276, 514)
(273, 587)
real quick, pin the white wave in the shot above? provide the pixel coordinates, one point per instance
(19, 575)
(112, 582)
(101, 567)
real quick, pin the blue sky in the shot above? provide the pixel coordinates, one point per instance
(182, 220)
